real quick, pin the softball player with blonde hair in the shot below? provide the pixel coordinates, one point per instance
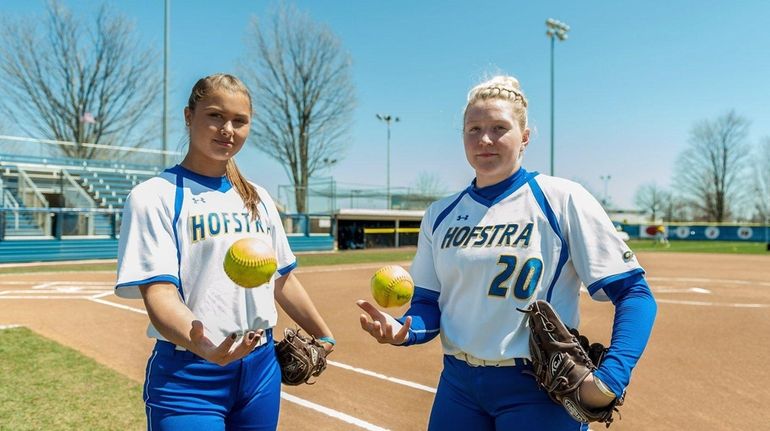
(510, 238)
(214, 365)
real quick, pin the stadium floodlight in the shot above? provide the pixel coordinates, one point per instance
(166, 18)
(388, 119)
(555, 30)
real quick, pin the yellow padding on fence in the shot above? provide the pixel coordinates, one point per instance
(391, 230)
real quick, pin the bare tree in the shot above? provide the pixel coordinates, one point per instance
(711, 172)
(653, 200)
(304, 96)
(73, 82)
(429, 184)
(761, 195)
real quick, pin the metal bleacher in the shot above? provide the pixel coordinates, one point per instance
(57, 208)
(45, 200)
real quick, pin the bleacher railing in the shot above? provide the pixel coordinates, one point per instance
(32, 198)
(60, 223)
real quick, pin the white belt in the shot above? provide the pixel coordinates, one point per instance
(478, 362)
(262, 341)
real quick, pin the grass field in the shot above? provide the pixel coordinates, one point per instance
(303, 259)
(406, 254)
(730, 247)
(45, 386)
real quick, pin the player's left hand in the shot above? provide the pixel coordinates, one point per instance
(592, 396)
(382, 326)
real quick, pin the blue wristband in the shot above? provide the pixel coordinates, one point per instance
(329, 340)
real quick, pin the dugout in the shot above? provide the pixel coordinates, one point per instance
(366, 228)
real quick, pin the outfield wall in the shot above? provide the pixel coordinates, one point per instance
(701, 231)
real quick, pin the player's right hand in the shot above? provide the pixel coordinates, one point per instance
(228, 350)
(382, 326)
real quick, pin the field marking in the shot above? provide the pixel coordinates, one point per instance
(711, 280)
(43, 297)
(10, 326)
(291, 398)
(685, 290)
(331, 412)
(334, 363)
(710, 304)
(116, 305)
(382, 377)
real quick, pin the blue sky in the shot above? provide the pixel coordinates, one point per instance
(631, 80)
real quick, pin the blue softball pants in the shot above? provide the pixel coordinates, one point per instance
(186, 392)
(494, 399)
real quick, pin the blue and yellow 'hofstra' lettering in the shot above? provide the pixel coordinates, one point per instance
(204, 226)
(500, 235)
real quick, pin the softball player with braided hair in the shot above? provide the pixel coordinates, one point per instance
(214, 365)
(510, 238)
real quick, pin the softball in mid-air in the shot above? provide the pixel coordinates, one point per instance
(250, 262)
(392, 286)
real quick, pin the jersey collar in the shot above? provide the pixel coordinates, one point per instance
(493, 194)
(221, 184)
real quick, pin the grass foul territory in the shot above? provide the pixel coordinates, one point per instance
(729, 247)
(45, 386)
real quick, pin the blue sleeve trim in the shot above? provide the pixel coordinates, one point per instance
(447, 210)
(635, 311)
(549, 214)
(288, 268)
(156, 279)
(610, 284)
(178, 201)
(426, 316)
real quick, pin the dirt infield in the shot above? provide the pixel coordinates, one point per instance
(704, 367)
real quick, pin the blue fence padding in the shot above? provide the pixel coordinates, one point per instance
(51, 250)
(715, 232)
(55, 250)
(311, 243)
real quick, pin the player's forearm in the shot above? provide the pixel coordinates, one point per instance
(426, 317)
(294, 300)
(635, 311)
(168, 314)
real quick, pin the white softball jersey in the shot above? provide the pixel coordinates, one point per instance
(177, 227)
(540, 239)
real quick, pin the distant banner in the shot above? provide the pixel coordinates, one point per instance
(745, 232)
(711, 232)
(683, 232)
(652, 231)
(701, 232)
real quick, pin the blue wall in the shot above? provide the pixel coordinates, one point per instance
(17, 251)
(715, 232)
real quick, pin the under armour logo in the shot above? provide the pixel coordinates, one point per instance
(462, 217)
(198, 200)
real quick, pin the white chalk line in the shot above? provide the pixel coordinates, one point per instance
(382, 377)
(331, 412)
(711, 280)
(9, 326)
(710, 304)
(291, 398)
(666, 289)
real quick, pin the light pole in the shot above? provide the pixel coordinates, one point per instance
(606, 179)
(166, 17)
(556, 30)
(388, 119)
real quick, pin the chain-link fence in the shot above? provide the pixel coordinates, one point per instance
(326, 196)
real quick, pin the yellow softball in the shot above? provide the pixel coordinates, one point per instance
(392, 286)
(250, 262)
